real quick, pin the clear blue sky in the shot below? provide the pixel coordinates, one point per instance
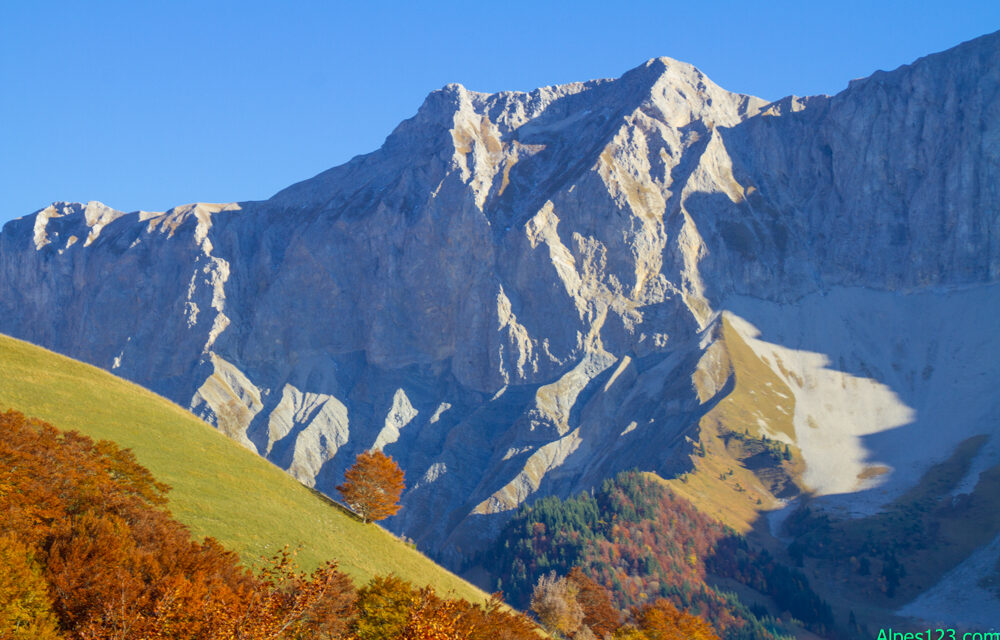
(154, 104)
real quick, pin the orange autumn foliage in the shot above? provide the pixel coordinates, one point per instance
(599, 612)
(372, 486)
(494, 621)
(91, 553)
(435, 618)
(661, 620)
(389, 608)
(25, 605)
(117, 565)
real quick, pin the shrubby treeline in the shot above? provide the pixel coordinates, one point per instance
(90, 552)
(643, 543)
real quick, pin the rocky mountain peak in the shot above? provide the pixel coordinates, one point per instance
(480, 137)
(90, 217)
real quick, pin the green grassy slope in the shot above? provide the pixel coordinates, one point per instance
(219, 488)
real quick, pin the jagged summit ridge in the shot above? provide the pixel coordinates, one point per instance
(95, 216)
(498, 129)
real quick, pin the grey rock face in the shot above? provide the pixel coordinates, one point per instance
(518, 293)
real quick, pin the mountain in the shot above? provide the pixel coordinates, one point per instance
(521, 294)
(218, 489)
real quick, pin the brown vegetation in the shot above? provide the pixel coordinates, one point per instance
(578, 607)
(372, 486)
(91, 553)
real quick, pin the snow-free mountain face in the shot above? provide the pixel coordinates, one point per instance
(522, 293)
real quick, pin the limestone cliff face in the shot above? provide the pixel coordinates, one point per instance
(519, 293)
(890, 184)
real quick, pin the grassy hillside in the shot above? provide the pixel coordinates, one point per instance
(219, 488)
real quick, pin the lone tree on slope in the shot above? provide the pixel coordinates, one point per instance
(372, 486)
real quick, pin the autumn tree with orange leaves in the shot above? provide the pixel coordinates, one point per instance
(89, 551)
(599, 612)
(372, 486)
(661, 620)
